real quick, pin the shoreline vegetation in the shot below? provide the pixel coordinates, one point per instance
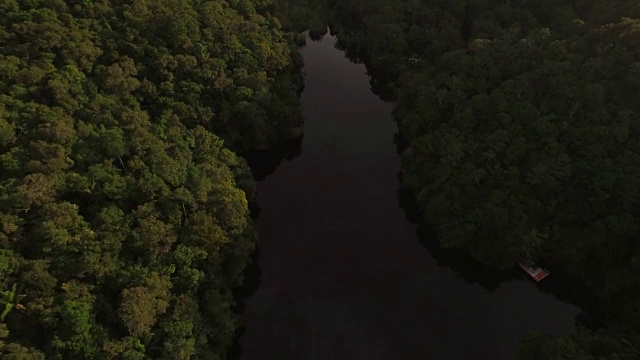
(520, 132)
(124, 209)
(124, 218)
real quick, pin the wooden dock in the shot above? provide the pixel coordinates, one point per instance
(535, 271)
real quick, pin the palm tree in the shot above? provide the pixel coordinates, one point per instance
(11, 300)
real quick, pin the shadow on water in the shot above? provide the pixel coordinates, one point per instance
(251, 282)
(317, 34)
(472, 271)
(467, 268)
(262, 164)
(265, 162)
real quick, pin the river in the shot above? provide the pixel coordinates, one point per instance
(344, 275)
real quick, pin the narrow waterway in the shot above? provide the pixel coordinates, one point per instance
(344, 275)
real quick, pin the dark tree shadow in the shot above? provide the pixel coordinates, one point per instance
(265, 162)
(262, 163)
(559, 285)
(467, 268)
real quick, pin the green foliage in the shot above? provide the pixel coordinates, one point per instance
(581, 345)
(122, 203)
(10, 300)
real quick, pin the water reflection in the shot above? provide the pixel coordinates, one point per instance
(343, 273)
(265, 162)
(473, 272)
(467, 268)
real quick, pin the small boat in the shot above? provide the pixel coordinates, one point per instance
(535, 271)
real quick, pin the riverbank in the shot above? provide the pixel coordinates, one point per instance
(343, 272)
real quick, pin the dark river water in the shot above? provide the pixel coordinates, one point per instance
(344, 275)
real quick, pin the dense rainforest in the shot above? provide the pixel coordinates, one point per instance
(520, 127)
(124, 221)
(124, 224)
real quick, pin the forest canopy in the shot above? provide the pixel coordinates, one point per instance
(124, 223)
